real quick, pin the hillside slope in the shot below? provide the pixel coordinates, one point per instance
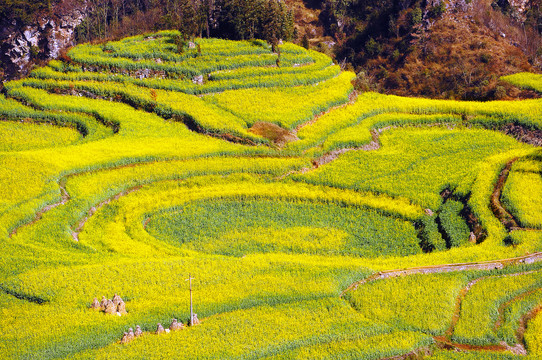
(441, 49)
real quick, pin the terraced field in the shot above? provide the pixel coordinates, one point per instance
(316, 222)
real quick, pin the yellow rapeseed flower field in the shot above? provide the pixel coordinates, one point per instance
(136, 164)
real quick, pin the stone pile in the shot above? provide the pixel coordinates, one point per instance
(131, 334)
(113, 306)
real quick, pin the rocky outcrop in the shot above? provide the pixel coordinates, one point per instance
(520, 8)
(45, 39)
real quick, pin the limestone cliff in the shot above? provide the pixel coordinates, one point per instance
(44, 39)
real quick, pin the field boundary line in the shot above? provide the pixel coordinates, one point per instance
(435, 269)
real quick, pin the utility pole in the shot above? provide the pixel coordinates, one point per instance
(190, 287)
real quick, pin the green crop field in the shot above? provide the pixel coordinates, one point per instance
(316, 222)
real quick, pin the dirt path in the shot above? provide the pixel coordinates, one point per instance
(496, 206)
(520, 333)
(351, 100)
(64, 198)
(81, 224)
(435, 269)
(445, 341)
(457, 311)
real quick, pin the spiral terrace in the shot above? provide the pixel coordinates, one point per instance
(135, 164)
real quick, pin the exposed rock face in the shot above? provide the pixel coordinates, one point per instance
(52, 32)
(520, 6)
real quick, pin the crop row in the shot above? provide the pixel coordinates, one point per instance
(166, 103)
(251, 77)
(321, 61)
(479, 309)
(525, 80)
(526, 206)
(93, 55)
(204, 113)
(162, 45)
(86, 125)
(453, 223)
(286, 107)
(490, 114)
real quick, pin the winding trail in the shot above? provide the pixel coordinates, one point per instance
(520, 333)
(64, 198)
(434, 269)
(445, 341)
(81, 224)
(457, 311)
(352, 97)
(496, 206)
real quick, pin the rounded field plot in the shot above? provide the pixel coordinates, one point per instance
(243, 227)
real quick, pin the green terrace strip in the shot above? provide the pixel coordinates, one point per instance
(525, 81)
(479, 308)
(259, 171)
(86, 125)
(490, 114)
(306, 102)
(286, 107)
(94, 56)
(14, 136)
(525, 205)
(252, 77)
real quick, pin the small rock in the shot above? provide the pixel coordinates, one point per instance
(191, 45)
(198, 80)
(429, 212)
